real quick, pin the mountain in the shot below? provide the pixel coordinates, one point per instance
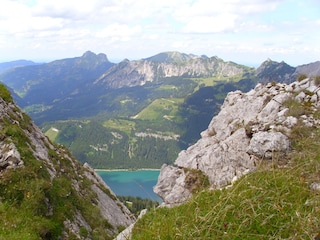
(164, 65)
(173, 57)
(43, 85)
(254, 174)
(45, 192)
(311, 69)
(272, 71)
(5, 66)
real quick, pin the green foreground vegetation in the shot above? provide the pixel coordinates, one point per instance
(274, 202)
(34, 206)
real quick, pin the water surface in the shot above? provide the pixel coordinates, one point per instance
(132, 183)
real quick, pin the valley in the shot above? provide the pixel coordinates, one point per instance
(135, 114)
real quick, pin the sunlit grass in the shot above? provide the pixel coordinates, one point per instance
(266, 204)
(52, 133)
(160, 108)
(120, 124)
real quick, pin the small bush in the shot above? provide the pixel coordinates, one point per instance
(301, 77)
(317, 80)
(5, 93)
(196, 180)
(296, 109)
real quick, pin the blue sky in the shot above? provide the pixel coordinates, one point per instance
(243, 31)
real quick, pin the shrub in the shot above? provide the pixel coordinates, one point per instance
(296, 109)
(196, 180)
(5, 93)
(301, 77)
(317, 80)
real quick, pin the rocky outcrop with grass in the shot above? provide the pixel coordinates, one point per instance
(44, 192)
(251, 128)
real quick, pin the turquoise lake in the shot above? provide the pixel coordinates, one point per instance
(132, 183)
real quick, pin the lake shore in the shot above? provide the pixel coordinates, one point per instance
(131, 182)
(126, 170)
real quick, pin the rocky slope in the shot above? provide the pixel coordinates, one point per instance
(250, 128)
(44, 192)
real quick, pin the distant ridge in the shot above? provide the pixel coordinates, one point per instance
(281, 72)
(5, 66)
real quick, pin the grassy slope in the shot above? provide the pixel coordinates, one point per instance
(272, 203)
(161, 108)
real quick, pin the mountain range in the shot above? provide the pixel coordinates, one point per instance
(113, 115)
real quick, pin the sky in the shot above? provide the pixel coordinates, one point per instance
(243, 31)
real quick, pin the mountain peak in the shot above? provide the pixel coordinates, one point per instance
(172, 57)
(271, 70)
(91, 55)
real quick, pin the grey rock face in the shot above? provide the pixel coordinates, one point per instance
(171, 181)
(119, 215)
(9, 157)
(263, 144)
(251, 127)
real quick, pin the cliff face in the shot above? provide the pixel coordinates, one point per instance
(250, 128)
(44, 192)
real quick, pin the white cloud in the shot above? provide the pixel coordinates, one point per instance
(119, 32)
(214, 24)
(69, 9)
(205, 16)
(131, 28)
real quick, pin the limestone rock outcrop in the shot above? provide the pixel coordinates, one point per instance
(251, 127)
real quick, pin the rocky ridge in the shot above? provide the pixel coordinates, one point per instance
(27, 153)
(250, 128)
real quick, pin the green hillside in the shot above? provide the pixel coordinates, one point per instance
(163, 108)
(144, 132)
